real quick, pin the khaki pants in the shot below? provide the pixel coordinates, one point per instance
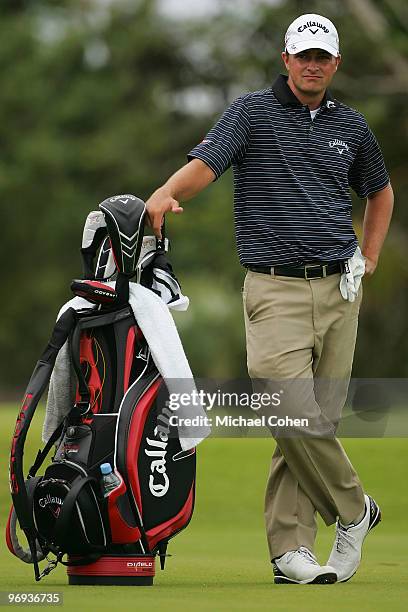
(303, 331)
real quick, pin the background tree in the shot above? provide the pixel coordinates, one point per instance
(98, 99)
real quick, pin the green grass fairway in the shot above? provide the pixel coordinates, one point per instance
(220, 562)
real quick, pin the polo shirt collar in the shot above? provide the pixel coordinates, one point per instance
(286, 97)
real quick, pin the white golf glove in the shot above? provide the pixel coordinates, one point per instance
(350, 280)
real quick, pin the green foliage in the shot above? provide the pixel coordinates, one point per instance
(99, 98)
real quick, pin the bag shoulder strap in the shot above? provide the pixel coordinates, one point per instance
(62, 524)
(42, 454)
(36, 387)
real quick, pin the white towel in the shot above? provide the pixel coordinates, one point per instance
(158, 327)
(61, 390)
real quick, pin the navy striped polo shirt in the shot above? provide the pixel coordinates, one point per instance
(292, 174)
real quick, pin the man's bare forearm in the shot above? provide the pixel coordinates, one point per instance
(377, 219)
(189, 180)
(183, 185)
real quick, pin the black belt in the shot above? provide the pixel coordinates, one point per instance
(308, 271)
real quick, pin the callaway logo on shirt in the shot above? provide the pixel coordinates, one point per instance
(339, 144)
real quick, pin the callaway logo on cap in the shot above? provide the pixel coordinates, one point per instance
(312, 32)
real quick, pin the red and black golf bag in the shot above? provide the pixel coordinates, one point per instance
(118, 417)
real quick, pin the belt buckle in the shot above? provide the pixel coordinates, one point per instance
(323, 268)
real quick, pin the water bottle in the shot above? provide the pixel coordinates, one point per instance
(109, 479)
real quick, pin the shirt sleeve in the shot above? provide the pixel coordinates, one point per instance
(368, 173)
(227, 141)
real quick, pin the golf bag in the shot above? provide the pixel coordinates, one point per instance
(111, 535)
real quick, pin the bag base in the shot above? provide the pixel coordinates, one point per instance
(120, 570)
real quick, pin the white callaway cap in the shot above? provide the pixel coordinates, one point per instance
(311, 32)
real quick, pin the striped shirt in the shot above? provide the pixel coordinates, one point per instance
(292, 174)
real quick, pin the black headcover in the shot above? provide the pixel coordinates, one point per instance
(125, 216)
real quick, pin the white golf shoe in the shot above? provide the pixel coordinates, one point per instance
(301, 567)
(345, 556)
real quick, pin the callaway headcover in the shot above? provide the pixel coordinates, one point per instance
(124, 217)
(141, 256)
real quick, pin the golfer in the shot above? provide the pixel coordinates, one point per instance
(295, 153)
